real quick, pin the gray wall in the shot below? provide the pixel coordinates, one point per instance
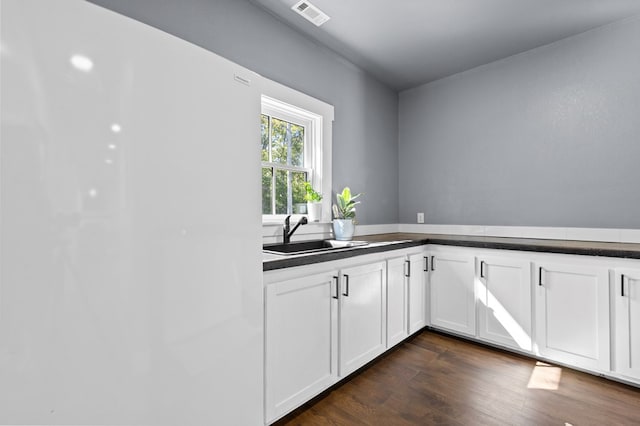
(550, 137)
(365, 154)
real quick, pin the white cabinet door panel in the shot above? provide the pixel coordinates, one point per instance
(362, 315)
(417, 292)
(504, 301)
(572, 314)
(451, 280)
(397, 299)
(301, 340)
(627, 322)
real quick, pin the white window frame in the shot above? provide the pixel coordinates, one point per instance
(312, 124)
(317, 117)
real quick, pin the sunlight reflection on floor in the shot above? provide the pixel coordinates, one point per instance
(545, 376)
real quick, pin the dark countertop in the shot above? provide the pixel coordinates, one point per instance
(394, 241)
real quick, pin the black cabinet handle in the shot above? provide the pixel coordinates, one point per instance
(433, 263)
(337, 287)
(540, 276)
(426, 264)
(622, 285)
(408, 263)
(482, 269)
(346, 285)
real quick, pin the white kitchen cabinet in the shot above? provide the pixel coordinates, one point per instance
(626, 322)
(397, 301)
(363, 322)
(417, 278)
(451, 278)
(406, 296)
(572, 313)
(325, 321)
(301, 335)
(503, 291)
(322, 322)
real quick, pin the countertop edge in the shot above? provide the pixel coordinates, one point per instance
(292, 261)
(503, 243)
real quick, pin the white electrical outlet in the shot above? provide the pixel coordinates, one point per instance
(420, 217)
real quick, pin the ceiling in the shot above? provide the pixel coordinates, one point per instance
(405, 43)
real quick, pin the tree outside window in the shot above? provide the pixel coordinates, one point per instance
(284, 171)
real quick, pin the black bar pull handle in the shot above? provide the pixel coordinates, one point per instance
(337, 281)
(346, 293)
(482, 269)
(433, 263)
(408, 273)
(426, 264)
(622, 285)
(540, 276)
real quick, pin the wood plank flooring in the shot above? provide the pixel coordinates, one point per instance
(434, 379)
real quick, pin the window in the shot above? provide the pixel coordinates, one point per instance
(296, 147)
(291, 140)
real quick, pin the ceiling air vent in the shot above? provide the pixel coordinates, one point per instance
(310, 12)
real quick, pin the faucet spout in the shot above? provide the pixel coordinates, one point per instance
(287, 232)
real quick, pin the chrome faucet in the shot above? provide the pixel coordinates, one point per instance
(287, 232)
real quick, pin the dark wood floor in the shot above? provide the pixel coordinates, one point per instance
(436, 379)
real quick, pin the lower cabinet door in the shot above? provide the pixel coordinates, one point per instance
(363, 319)
(300, 340)
(626, 294)
(397, 299)
(451, 279)
(417, 292)
(504, 301)
(572, 314)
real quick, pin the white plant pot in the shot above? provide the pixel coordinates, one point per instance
(314, 211)
(343, 229)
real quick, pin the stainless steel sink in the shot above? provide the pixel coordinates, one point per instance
(313, 246)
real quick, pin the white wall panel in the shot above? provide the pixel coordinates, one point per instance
(131, 288)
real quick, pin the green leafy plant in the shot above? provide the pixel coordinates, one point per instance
(345, 207)
(311, 194)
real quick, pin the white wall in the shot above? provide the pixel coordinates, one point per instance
(549, 137)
